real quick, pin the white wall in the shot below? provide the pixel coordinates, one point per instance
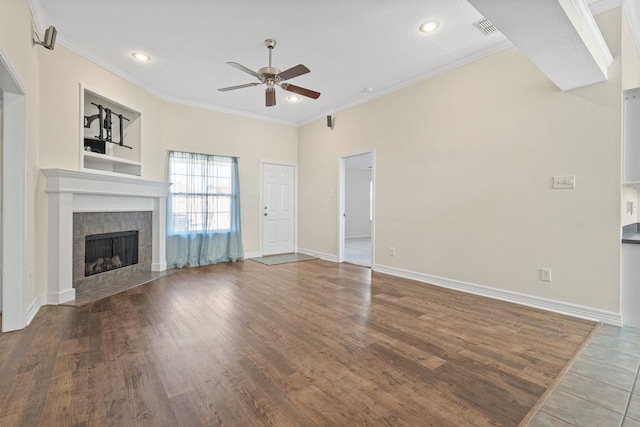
(357, 221)
(464, 166)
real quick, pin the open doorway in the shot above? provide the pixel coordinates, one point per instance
(357, 208)
(14, 210)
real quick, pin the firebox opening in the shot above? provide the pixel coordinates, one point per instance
(108, 251)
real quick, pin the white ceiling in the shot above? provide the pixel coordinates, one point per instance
(349, 45)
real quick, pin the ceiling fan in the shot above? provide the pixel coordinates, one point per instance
(273, 77)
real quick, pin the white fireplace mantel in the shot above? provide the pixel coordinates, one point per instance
(73, 191)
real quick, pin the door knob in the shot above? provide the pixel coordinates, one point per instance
(265, 214)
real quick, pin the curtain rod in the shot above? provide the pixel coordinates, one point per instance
(206, 154)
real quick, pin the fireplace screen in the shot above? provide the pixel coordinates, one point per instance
(105, 252)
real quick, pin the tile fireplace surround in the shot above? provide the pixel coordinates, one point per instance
(69, 192)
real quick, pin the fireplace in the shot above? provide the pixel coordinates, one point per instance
(81, 203)
(107, 251)
(110, 247)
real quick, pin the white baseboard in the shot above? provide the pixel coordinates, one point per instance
(158, 266)
(55, 298)
(255, 254)
(34, 307)
(569, 309)
(326, 257)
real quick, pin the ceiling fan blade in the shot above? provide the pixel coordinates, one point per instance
(300, 90)
(292, 72)
(243, 68)
(270, 95)
(224, 89)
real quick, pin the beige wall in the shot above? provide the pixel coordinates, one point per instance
(197, 130)
(61, 73)
(463, 165)
(52, 82)
(22, 57)
(165, 126)
(463, 172)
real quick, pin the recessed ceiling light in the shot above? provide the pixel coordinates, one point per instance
(368, 89)
(293, 98)
(141, 56)
(429, 26)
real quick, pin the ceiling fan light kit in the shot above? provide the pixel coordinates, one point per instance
(272, 77)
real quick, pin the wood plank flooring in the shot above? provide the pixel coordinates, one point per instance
(301, 344)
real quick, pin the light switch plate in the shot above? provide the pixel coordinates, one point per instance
(565, 181)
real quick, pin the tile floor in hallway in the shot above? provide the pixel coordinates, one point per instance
(358, 251)
(601, 388)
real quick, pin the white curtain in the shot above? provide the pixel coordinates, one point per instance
(203, 210)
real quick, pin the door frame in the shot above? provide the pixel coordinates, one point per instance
(14, 177)
(264, 162)
(342, 205)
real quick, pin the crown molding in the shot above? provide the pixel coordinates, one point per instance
(101, 62)
(37, 14)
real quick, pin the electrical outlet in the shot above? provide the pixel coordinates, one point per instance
(392, 251)
(545, 274)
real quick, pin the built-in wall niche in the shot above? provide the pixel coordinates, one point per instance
(110, 135)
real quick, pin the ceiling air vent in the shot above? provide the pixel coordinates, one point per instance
(485, 26)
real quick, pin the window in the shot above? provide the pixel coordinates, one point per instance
(203, 210)
(203, 193)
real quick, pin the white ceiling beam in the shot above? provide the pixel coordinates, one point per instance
(582, 19)
(559, 36)
(632, 10)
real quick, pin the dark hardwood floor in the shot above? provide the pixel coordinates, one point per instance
(301, 344)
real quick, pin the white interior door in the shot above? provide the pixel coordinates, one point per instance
(278, 210)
